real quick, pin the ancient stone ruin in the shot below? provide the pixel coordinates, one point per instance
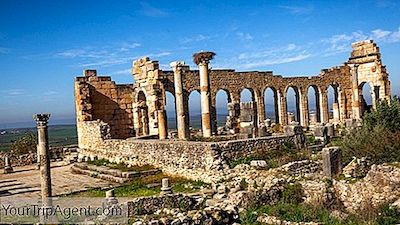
(117, 122)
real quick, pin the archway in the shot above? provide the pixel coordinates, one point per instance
(366, 97)
(170, 109)
(271, 104)
(195, 109)
(222, 99)
(248, 112)
(314, 109)
(333, 103)
(143, 114)
(293, 104)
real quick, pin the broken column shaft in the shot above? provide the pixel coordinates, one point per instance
(183, 127)
(44, 157)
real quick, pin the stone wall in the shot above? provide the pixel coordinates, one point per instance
(100, 98)
(195, 160)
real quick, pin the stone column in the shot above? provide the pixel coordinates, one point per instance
(282, 107)
(304, 110)
(324, 107)
(356, 110)
(182, 126)
(202, 59)
(43, 148)
(162, 125)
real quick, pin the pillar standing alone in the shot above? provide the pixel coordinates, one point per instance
(44, 158)
(183, 128)
(202, 59)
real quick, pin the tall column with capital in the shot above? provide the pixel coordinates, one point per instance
(43, 150)
(183, 128)
(202, 59)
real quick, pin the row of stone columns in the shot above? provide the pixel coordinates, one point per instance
(302, 111)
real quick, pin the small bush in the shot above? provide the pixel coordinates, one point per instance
(24, 144)
(293, 193)
(379, 136)
(379, 144)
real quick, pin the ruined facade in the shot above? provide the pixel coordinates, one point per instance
(138, 110)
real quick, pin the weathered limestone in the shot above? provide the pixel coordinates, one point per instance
(7, 165)
(43, 149)
(332, 161)
(139, 109)
(179, 68)
(202, 59)
(165, 187)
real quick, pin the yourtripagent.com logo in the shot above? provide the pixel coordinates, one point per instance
(63, 210)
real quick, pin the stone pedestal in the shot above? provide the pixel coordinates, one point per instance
(332, 161)
(165, 187)
(291, 117)
(7, 165)
(43, 149)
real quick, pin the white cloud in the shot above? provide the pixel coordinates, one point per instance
(342, 42)
(151, 11)
(297, 10)
(14, 92)
(122, 72)
(279, 60)
(244, 36)
(196, 38)
(126, 47)
(386, 36)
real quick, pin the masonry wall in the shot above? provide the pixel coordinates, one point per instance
(99, 98)
(194, 160)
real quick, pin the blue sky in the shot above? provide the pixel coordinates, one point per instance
(45, 44)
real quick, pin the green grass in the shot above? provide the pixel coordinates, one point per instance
(308, 213)
(275, 158)
(291, 208)
(138, 187)
(120, 166)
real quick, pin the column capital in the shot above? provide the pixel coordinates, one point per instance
(203, 57)
(178, 65)
(41, 119)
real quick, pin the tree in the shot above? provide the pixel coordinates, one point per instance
(386, 115)
(24, 144)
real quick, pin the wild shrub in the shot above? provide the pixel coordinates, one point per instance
(24, 144)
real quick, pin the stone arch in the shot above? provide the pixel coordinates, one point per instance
(248, 114)
(314, 104)
(170, 109)
(367, 97)
(333, 102)
(222, 99)
(271, 101)
(296, 109)
(194, 112)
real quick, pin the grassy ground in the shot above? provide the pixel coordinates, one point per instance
(142, 186)
(120, 166)
(59, 135)
(276, 158)
(291, 208)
